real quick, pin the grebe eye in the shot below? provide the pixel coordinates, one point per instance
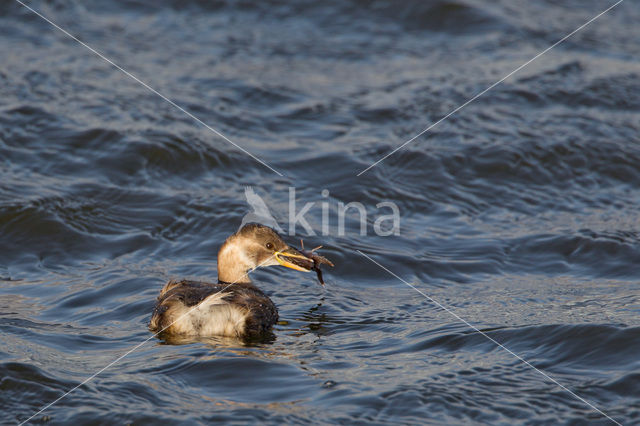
(269, 246)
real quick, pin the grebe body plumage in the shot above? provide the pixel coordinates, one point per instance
(206, 309)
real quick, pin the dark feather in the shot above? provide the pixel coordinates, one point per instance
(262, 313)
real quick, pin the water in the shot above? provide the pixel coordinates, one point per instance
(519, 213)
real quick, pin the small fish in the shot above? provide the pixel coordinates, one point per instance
(317, 260)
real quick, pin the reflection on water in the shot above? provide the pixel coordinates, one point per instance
(518, 213)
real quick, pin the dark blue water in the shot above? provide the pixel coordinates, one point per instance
(519, 213)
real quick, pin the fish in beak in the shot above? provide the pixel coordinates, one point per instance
(302, 260)
(294, 259)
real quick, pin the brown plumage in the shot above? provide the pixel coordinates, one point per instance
(238, 310)
(233, 306)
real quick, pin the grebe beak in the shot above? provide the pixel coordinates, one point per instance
(292, 258)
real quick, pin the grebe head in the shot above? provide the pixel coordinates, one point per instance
(255, 246)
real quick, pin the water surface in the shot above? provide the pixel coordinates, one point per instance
(519, 213)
